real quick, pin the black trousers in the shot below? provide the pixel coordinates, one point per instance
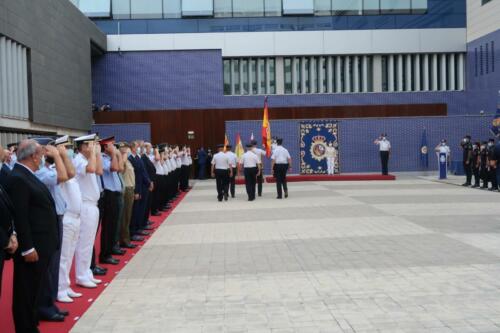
(48, 293)
(483, 173)
(468, 172)
(109, 222)
(260, 180)
(475, 172)
(280, 171)
(492, 175)
(184, 180)
(222, 181)
(28, 280)
(232, 182)
(384, 159)
(250, 181)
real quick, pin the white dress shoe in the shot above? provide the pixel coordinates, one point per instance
(64, 299)
(96, 281)
(87, 284)
(74, 294)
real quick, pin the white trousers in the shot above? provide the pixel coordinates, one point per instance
(71, 231)
(330, 162)
(89, 221)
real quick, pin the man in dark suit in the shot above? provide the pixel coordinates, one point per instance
(37, 231)
(151, 171)
(142, 186)
(8, 239)
(4, 169)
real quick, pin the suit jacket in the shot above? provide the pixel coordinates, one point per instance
(142, 180)
(4, 174)
(34, 212)
(149, 166)
(6, 218)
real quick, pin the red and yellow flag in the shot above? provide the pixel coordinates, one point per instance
(266, 130)
(226, 142)
(238, 150)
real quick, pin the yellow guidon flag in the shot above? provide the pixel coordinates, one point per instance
(238, 150)
(226, 142)
(266, 130)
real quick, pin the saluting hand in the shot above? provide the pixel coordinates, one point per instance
(32, 257)
(62, 150)
(51, 151)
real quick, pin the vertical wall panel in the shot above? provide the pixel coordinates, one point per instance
(338, 74)
(425, 73)
(408, 72)
(400, 72)
(443, 85)
(347, 74)
(451, 72)
(330, 78)
(460, 72)
(3, 75)
(434, 72)
(390, 73)
(416, 72)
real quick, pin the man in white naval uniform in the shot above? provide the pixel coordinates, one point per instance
(330, 159)
(87, 164)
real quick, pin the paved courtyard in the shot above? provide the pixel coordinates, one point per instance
(411, 255)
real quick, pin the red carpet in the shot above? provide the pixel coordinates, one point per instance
(319, 178)
(80, 305)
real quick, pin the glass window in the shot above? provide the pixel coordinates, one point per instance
(227, 77)
(419, 6)
(298, 78)
(323, 7)
(253, 75)
(322, 74)
(297, 7)
(223, 8)
(236, 76)
(262, 74)
(347, 7)
(272, 7)
(171, 8)
(246, 8)
(244, 76)
(121, 9)
(146, 9)
(93, 8)
(288, 75)
(395, 6)
(272, 75)
(371, 7)
(306, 75)
(197, 7)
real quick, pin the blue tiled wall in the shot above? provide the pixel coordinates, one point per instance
(193, 80)
(124, 132)
(441, 14)
(357, 151)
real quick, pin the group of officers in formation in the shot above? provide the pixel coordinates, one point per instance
(480, 159)
(54, 194)
(226, 165)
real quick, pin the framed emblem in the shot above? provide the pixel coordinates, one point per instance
(319, 146)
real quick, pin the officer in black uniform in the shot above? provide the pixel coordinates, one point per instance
(492, 162)
(467, 159)
(483, 172)
(476, 162)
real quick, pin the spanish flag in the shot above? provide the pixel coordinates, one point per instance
(238, 150)
(226, 142)
(266, 130)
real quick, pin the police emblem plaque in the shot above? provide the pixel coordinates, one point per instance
(318, 146)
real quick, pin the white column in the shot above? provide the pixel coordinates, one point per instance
(329, 76)
(364, 74)
(321, 74)
(443, 72)
(10, 91)
(390, 73)
(303, 75)
(338, 76)
(416, 71)
(3, 75)
(409, 77)
(19, 74)
(451, 72)
(312, 75)
(347, 74)
(268, 77)
(460, 73)
(242, 90)
(295, 73)
(280, 75)
(259, 77)
(425, 72)
(355, 74)
(25, 84)
(434, 79)
(377, 73)
(400, 72)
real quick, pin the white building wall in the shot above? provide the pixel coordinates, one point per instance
(482, 20)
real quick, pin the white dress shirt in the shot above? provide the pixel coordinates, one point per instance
(280, 155)
(260, 153)
(233, 159)
(249, 159)
(221, 161)
(384, 145)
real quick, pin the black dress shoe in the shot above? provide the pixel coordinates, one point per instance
(286, 194)
(65, 313)
(128, 245)
(225, 197)
(56, 317)
(148, 227)
(109, 261)
(279, 198)
(142, 233)
(137, 238)
(118, 252)
(150, 223)
(99, 271)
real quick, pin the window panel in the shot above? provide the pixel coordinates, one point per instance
(371, 7)
(262, 75)
(146, 9)
(322, 7)
(288, 75)
(272, 75)
(272, 7)
(347, 7)
(92, 8)
(246, 8)
(244, 76)
(236, 76)
(223, 8)
(197, 7)
(395, 6)
(121, 9)
(172, 8)
(253, 75)
(419, 6)
(227, 77)
(296, 7)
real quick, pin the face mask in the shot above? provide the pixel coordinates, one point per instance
(71, 153)
(42, 162)
(138, 151)
(474, 147)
